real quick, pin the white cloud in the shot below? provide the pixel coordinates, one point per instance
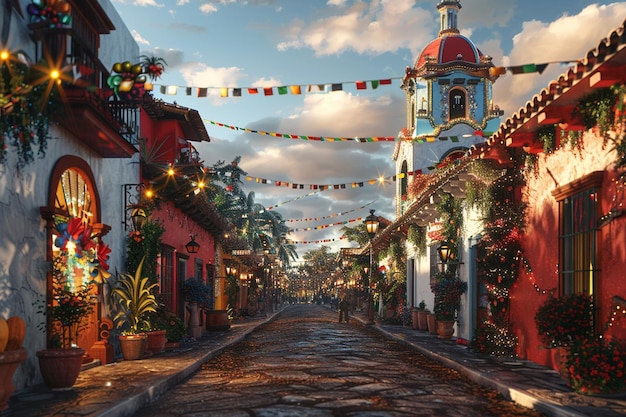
(567, 38)
(197, 74)
(142, 3)
(364, 27)
(208, 8)
(138, 38)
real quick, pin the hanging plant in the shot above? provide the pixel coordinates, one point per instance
(417, 236)
(597, 109)
(25, 109)
(547, 136)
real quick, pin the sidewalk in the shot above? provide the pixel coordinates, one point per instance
(122, 388)
(521, 381)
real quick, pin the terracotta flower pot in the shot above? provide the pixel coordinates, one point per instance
(445, 329)
(422, 319)
(60, 367)
(217, 320)
(415, 319)
(156, 341)
(9, 361)
(133, 346)
(431, 323)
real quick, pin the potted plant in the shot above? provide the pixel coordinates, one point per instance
(422, 316)
(596, 365)
(135, 301)
(78, 262)
(448, 289)
(197, 297)
(563, 321)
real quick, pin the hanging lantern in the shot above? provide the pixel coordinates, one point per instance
(192, 246)
(138, 217)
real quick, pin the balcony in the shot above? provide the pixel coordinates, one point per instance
(110, 128)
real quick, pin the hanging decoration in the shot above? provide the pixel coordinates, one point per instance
(312, 242)
(329, 216)
(25, 107)
(280, 90)
(128, 81)
(307, 137)
(56, 13)
(297, 89)
(326, 226)
(324, 187)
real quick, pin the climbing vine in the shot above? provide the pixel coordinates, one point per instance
(498, 263)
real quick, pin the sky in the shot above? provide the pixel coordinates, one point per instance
(270, 43)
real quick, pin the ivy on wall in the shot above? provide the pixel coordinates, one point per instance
(498, 262)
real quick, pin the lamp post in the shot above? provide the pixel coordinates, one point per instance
(371, 225)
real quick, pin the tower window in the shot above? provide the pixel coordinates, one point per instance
(457, 101)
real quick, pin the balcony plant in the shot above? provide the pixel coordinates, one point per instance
(134, 298)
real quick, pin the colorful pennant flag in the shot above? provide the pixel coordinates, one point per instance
(306, 137)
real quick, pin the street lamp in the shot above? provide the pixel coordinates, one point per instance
(371, 225)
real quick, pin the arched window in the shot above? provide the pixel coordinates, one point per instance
(457, 102)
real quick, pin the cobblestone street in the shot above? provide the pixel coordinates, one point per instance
(305, 363)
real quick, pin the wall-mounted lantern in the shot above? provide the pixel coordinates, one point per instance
(192, 246)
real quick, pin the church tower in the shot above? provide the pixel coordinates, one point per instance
(449, 101)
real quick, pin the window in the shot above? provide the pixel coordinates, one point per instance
(457, 103)
(167, 277)
(181, 277)
(198, 269)
(577, 235)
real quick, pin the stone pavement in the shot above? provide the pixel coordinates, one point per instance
(524, 382)
(122, 388)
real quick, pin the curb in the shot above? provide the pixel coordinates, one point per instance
(130, 405)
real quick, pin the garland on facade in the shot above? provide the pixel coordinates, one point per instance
(25, 108)
(498, 263)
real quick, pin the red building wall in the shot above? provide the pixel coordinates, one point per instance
(541, 242)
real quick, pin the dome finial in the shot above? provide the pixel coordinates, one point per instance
(449, 10)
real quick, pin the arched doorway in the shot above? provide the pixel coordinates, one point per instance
(74, 247)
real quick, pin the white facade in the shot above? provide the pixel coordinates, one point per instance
(23, 265)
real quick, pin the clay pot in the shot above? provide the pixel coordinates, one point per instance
(445, 329)
(156, 341)
(217, 320)
(60, 367)
(431, 323)
(133, 346)
(9, 361)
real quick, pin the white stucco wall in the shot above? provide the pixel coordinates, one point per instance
(23, 239)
